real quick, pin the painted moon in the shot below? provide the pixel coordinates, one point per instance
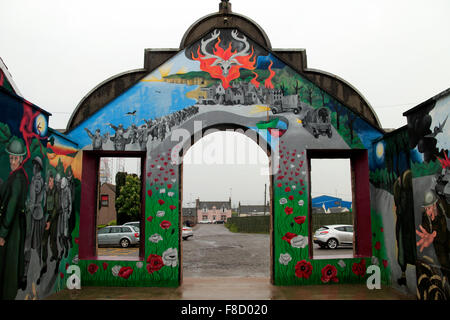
(380, 150)
(41, 125)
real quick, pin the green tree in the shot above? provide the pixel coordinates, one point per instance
(128, 203)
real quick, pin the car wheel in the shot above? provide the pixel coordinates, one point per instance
(124, 243)
(332, 243)
(274, 111)
(296, 111)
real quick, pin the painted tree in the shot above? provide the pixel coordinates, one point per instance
(129, 200)
(335, 106)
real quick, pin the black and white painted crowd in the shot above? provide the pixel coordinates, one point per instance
(152, 130)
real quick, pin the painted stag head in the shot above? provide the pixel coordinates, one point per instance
(224, 64)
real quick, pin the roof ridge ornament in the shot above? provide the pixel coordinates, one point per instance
(224, 6)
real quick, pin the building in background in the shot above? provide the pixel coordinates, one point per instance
(329, 204)
(213, 210)
(107, 204)
(253, 210)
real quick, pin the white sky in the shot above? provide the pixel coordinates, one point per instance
(396, 53)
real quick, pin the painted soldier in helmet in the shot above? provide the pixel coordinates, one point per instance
(13, 222)
(433, 230)
(35, 212)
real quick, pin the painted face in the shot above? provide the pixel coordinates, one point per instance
(51, 182)
(431, 211)
(15, 161)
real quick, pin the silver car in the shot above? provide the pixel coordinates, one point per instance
(123, 236)
(333, 236)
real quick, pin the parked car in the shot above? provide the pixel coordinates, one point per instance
(123, 236)
(219, 221)
(205, 221)
(333, 236)
(133, 223)
(186, 232)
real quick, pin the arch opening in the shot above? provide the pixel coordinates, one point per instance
(227, 208)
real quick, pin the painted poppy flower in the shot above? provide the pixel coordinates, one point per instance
(92, 268)
(385, 263)
(165, 224)
(149, 192)
(77, 240)
(150, 218)
(300, 220)
(329, 273)
(125, 272)
(279, 185)
(154, 263)
(67, 265)
(303, 269)
(172, 207)
(280, 177)
(169, 186)
(105, 265)
(61, 275)
(288, 210)
(291, 197)
(378, 245)
(359, 269)
(161, 201)
(287, 189)
(288, 237)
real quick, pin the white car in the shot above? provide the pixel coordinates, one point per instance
(205, 221)
(186, 232)
(333, 236)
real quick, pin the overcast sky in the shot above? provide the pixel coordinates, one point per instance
(396, 53)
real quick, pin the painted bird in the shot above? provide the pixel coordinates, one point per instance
(132, 113)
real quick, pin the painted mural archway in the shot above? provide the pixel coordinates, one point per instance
(224, 78)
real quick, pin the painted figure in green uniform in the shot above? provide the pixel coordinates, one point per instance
(13, 223)
(51, 214)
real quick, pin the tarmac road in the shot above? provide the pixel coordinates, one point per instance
(214, 251)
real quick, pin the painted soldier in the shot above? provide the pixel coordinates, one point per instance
(66, 211)
(142, 136)
(119, 139)
(51, 214)
(71, 184)
(13, 223)
(132, 136)
(97, 138)
(404, 227)
(433, 230)
(36, 212)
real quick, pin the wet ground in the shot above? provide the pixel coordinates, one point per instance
(214, 251)
(221, 265)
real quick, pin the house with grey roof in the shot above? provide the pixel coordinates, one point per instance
(213, 210)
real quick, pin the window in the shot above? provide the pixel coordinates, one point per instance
(104, 198)
(104, 174)
(339, 217)
(205, 217)
(104, 231)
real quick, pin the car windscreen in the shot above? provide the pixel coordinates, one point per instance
(322, 228)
